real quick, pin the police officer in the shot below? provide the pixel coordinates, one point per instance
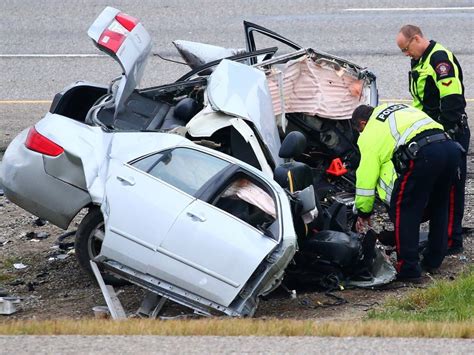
(427, 161)
(436, 86)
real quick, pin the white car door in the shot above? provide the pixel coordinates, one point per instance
(157, 226)
(144, 198)
(216, 252)
(140, 211)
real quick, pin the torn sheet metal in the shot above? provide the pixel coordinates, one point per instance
(316, 88)
(8, 305)
(208, 121)
(242, 91)
(382, 269)
(248, 134)
(196, 54)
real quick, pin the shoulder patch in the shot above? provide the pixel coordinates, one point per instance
(443, 69)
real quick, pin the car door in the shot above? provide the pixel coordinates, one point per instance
(217, 251)
(157, 226)
(139, 212)
(263, 37)
(144, 198)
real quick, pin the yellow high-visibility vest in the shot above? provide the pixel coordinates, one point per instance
(389, 127)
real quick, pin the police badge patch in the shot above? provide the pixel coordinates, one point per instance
(442, 69)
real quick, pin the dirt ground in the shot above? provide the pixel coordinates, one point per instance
(52, 285)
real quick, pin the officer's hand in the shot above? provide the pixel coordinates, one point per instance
(362, 224)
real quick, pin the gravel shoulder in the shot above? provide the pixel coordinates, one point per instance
(52, 285)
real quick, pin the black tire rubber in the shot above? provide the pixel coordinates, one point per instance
(88, 247)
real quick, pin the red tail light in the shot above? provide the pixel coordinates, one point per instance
(113, 37)
(127, 21)
(111, 40)
(41, 144)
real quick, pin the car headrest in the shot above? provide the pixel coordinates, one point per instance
(293, 145)
(186, 109)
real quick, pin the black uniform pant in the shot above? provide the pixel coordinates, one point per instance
(457, 194)
(425, 183)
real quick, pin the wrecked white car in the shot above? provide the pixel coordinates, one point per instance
(186, 221)
(180, 180)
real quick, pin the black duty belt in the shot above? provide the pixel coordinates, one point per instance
(416, 144)
(409, 151)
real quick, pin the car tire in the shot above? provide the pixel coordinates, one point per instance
(88, 242)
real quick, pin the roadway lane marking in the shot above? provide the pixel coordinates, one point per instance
(24, 102)
(406, 100)
(52, 55)
(411, 9)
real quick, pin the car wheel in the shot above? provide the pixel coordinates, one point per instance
(89, 237)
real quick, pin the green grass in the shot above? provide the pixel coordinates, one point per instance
(6, 277)
(6, 266)
(8, 262)
(450, 301)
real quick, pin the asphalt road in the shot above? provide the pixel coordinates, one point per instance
(362, 31)
(234, 345)
(40, 44)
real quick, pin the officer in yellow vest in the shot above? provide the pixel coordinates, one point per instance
(427, 162)
(436, 87)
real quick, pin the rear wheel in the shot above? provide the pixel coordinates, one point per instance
(89, 237)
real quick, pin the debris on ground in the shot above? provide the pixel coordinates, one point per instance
(20, 266)
(3, 292)
(101, 312)
(39, 222)
(36, 235)
(7, 305)
(66, 240)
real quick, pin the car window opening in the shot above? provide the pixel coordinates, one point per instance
(185, 169)
(248, 202)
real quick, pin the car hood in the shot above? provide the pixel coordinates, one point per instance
(241, 91)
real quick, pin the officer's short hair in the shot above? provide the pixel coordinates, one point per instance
(408, 31)
(361, 113)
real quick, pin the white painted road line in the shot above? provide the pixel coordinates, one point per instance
(411, 9)
(24, 102)
(406, 100)
(52, 55)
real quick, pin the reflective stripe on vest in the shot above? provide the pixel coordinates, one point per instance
(365, 192)
(393, 127)
(388, 190)
(401, 139)
(425, 70)
(415, 126)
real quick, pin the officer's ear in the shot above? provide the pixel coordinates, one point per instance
(362, 124)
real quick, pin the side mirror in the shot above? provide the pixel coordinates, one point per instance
(293, 145)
